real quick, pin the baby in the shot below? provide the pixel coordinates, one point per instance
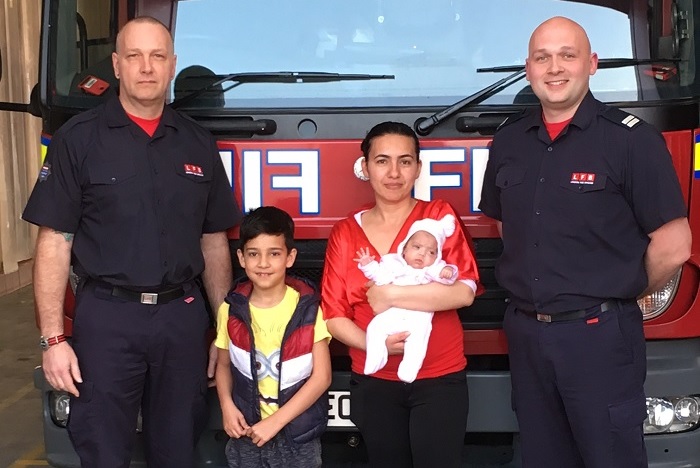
(419, 262)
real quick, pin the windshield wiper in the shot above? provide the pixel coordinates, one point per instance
(602, 63)
(425, 126)
(271, 77)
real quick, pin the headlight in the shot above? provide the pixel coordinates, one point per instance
(656, 303)
(672, 414)
(59, 407)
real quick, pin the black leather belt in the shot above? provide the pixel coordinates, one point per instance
(569, 315)
(160, 297)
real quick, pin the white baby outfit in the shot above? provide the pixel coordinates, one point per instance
(393, 269)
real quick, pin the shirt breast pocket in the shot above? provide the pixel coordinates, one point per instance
(113, 186)
(114, 191)
(513, 191)
(111, 173)
(509, 177)
(583, 201)
(192, 191)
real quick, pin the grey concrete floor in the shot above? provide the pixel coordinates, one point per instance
(21, 437)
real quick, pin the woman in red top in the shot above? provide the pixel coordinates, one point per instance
(420, 424)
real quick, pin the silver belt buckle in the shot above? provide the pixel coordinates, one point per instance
(149, 298)
(544, 318)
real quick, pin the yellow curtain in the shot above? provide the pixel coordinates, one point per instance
(20, 151)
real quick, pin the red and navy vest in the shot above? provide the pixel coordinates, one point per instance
(295, 360)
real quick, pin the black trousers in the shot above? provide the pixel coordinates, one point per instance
(133, 356)
(578, 388)
(419, 424)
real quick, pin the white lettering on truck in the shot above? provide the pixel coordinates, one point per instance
(307, 179)
(428, 179)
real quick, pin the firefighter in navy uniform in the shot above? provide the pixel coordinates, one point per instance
(135, 196)
(592, 217)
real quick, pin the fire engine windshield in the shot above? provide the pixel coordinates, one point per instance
(433, 49)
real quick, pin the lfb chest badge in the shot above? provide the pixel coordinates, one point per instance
(45, 172)
(193, 170)
(585, 178)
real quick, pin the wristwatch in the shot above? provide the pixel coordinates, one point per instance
(46, 343)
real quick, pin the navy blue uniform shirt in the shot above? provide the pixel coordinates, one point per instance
(577, 211)
(138, 205)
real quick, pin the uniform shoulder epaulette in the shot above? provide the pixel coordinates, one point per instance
(622, 118)
(81, 118)
(512, 118)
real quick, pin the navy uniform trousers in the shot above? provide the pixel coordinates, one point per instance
(578, 388)
(138, 356)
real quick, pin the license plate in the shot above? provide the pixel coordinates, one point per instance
(339, 409)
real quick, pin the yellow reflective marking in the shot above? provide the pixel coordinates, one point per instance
(15, 397)
(30, 458)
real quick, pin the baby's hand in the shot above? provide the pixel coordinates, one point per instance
(363, 256)
(446, 273)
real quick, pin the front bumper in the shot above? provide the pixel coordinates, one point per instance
(673, 369)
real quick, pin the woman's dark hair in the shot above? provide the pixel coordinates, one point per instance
(268, 220)
(389, 128)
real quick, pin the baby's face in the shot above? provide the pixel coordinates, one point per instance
(420, 250)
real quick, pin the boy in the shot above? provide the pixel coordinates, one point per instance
(272, 324)
(419, 261)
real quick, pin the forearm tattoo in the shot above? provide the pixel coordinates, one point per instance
(66, 235)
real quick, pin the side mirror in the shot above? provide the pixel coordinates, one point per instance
(34, 106)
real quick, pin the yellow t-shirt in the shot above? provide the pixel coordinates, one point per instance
(268, 327)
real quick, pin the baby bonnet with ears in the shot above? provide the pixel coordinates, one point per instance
(441, 229)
